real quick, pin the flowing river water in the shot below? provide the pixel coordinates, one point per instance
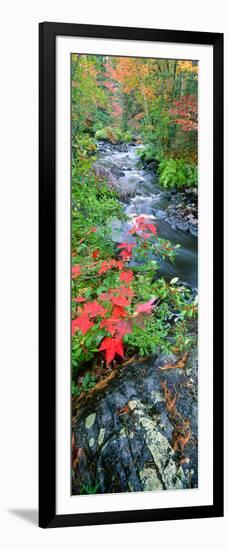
(143, 196)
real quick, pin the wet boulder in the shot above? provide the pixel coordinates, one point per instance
(139, 433)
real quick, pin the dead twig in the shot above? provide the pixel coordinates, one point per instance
(180, 364)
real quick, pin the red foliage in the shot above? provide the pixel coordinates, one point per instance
(110, 86)
(126, 252)
(104, 296)
(126, 276)
(117, 327)
(125, 255)
(126, 291)
(142, 227)
(76, 271)
(94, 309)
(123, 327)
(112, 347)
(81, 323)
(107, 265)
(147, 306)
(120, 300)
(185, 112)
(95, 254)
(118, 311)
(109, 325)
(127, 246)
(141, 224)
(152, 228)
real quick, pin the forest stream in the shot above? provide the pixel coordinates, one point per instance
(142, 195)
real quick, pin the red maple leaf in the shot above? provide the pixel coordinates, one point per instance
(76, 270)
(126, 276)
(128, 246)
(141, 224)
(93, 309)
(118, 312)
(116, 326)
(112, 347)
(95, 254)
(152, 228)
(109, 325)
(141, 219)
(107, 265)
(78, 300)
(120, 301)
(104, 296)
(118, 264)
(146, 307)
(126, 291)
(123, 327)
(81, 323)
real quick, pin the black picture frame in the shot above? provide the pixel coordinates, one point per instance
(47, 274)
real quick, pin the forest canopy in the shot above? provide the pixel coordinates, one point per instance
(153, 101)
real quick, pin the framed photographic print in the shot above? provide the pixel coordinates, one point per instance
(131, 275)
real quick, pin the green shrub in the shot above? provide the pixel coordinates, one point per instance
(101, 134)
(125, 137)
(149, 153)
(177, 173)
(114, 135)
(83, 146)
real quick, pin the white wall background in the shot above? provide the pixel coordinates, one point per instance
(18, 270)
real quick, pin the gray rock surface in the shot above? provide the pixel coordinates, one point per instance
(140, 432)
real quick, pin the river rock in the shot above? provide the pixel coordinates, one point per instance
(161, 214)
(113, 181)
(191, 191)
(122, 147)
(182, 213)
(193, 230)
(130, 434)
(116, 171)
(183, 226)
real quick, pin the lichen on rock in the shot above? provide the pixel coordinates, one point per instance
(90, 420)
